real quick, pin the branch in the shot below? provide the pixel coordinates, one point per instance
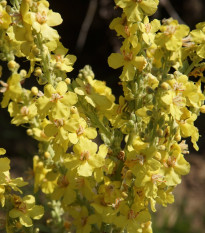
(86, 24)
(171, 11)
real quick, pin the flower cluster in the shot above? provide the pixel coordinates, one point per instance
(112, 184)
(20, 211)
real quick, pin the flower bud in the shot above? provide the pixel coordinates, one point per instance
(23, 73)
(12, 65)
(36, 230)
(68, 81)
(58, 65)
(160, 133)
(177, 137)
(158, 155)
(29, 132)
(161, 147)
(36, 157)
(40, 164)
(34, 90)
(47, 155)
(124, 194)
(35, 51)
(165, 86)
(3, 3)
(202, 109)
(58, 79)
(73, 109)
(38, 72)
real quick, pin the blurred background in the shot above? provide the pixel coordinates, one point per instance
(85, 31)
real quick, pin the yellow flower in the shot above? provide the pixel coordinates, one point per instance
(22, 114)
(110, 190)
(149, 29)
(131, 218)
(174, 103)
(56, 102)
(125, 29)
(5, 19)
(95, 92)
(86, 158)
(198, 36)
(65, 189)
(135, 10)
(187, 128)
(129, 60)
(4, 162)
(171, 35)
(14, 184)
(40, 177)
(26, 210)
(42, 20)
(62, 61)
(174, 166)
(83, 219)
(70, 130)
(12, 89)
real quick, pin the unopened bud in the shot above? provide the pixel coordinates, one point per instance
(202, 109)
(38, 72)
(36, 51)
(165, 86)
(34, 90)
(36, 230)
(161, 147)
(49, 221)
(12, 65)
(3, 3)
(23, 73)
(73, 109)
(29, 132)
(178, 137)
(124, 194)
(36, 157)
(47, 155)
(40, 164)
(58, 79)
(160, 133)
(68, 81)
(58, 65)
(158, 156)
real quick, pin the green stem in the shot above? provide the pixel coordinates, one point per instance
(45, 59)
(190, 68)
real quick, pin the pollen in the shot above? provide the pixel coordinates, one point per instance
(55, 97)
(84, 155)
(41, 17)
